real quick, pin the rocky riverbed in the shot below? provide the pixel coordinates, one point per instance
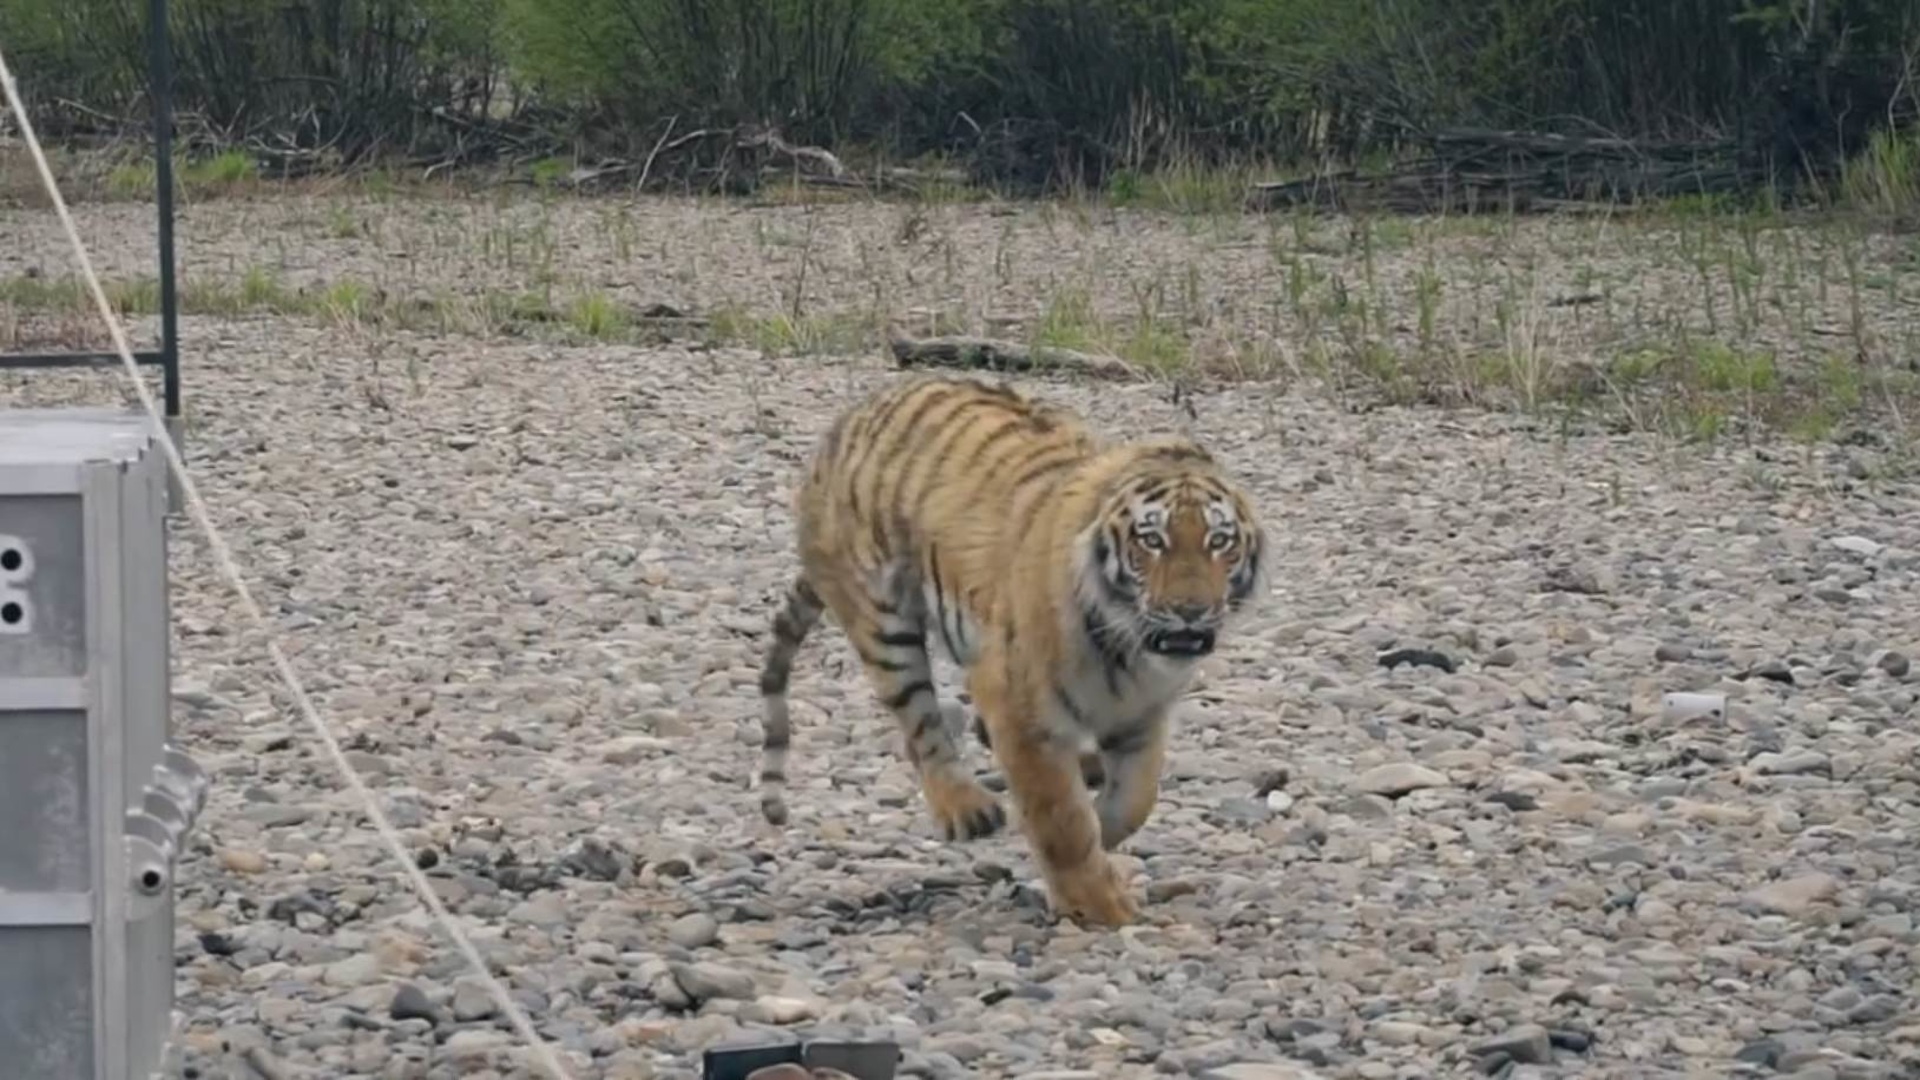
(1426, 814)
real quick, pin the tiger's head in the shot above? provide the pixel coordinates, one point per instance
(1175, 549)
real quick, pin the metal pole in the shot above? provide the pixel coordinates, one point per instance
(160, 71)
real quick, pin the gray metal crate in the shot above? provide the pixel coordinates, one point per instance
(94, 800)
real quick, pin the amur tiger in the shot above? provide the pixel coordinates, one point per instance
(1076, 581)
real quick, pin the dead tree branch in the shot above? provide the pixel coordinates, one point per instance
(1474, 169)
(988, 354)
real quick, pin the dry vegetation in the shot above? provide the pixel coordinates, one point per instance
(1698, 320)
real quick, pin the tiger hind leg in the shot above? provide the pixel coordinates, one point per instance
(893, 649)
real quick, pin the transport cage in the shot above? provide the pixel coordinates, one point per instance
(95, 801)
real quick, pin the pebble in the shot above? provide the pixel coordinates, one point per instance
(472, 1001)
(772, 1009)
(1260, 1071)
(243, 862)
(353, 971)
(278, 817)
(475, 1045)
(1398, 778)
(694, 931)
(706, 981)
(1396, 1032)
(1791, 763)
(411, 1003)
(1858, 545)
(1526, 1044)
(1794, 896)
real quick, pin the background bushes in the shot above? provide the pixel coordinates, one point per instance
(1027, 90)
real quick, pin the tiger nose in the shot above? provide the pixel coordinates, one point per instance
(1191, 613)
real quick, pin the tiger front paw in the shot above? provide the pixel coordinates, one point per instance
(1093, 893)
(963, 809)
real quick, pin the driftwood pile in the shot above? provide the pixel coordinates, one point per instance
(1463, 170)
(1471, 169)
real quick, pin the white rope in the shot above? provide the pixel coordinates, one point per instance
(224, 558)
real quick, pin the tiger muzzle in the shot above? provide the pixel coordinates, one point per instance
(1181, 641)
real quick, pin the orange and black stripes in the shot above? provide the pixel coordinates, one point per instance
(899, 524)
(1075, 581)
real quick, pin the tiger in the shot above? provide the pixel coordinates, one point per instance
(1076, 582)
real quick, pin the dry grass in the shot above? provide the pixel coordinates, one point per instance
(1700, 321)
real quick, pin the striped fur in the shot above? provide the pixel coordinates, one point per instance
(1076, 582)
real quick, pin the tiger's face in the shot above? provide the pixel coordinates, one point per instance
(1173, 559)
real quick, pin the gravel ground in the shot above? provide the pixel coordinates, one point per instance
(529, 586)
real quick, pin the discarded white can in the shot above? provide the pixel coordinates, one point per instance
(1681, 706)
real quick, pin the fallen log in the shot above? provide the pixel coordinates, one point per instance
(1542, 143)
(904, 180)
(1468, 169)
(989, 354)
